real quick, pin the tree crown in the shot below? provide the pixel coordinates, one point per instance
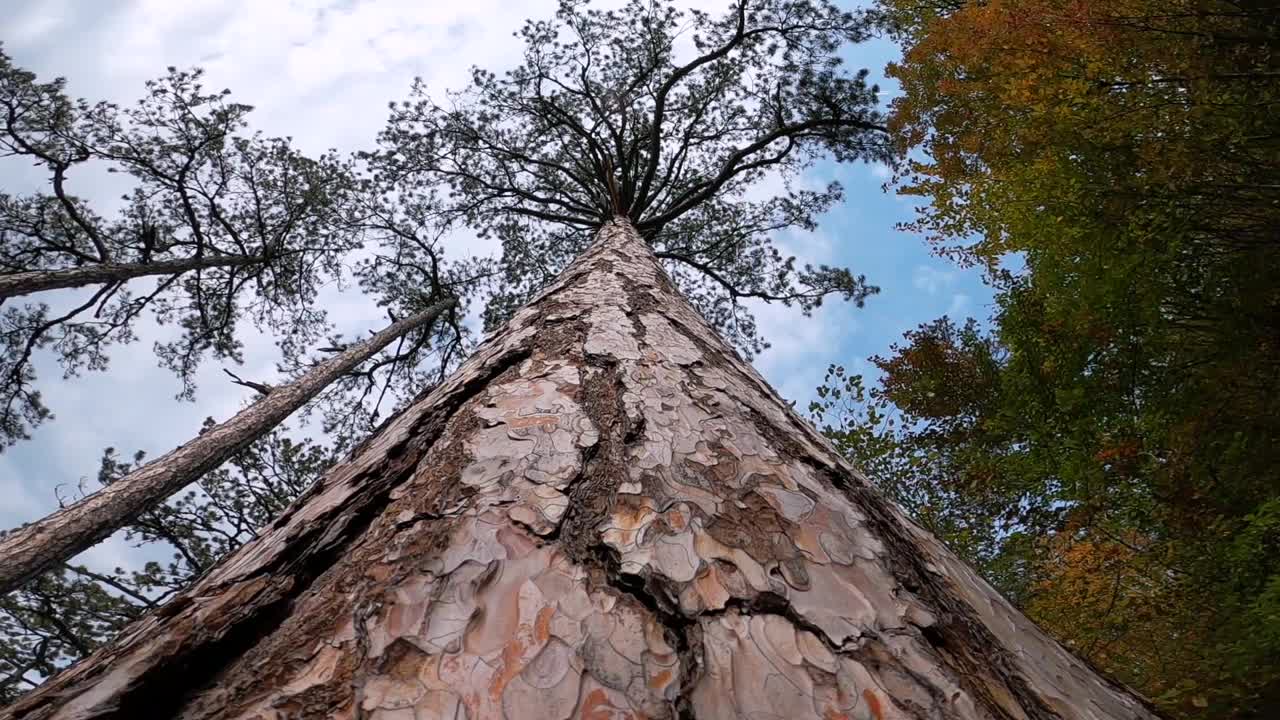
(695, 128)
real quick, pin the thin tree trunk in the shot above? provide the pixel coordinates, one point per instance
(603, 514)
(34, 281)
(34, 548)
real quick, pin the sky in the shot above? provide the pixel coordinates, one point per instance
(322, 72)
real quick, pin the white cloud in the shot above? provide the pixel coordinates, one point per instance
(31, 23)
(801, 348)
(959, 306)
(932, 280)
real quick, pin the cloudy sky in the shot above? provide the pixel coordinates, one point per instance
(322, 71)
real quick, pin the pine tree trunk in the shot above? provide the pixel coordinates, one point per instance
(34, 281)
(603, 514)
(60, 536)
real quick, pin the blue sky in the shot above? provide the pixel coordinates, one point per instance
(915, 285)
(322, 71)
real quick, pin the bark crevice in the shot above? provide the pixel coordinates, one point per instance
(603, 465)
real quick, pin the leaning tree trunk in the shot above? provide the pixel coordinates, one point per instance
(34, 281)
(33, 548)
(603, 514)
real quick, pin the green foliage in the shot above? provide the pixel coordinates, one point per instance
(1120, 418)
(1050, 496)
(914, 471)
(199, 187)
(54, 621)
(670, 117)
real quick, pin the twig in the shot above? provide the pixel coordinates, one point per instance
(260, 387)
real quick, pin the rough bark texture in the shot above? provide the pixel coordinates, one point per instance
(603, 514)
(34, 548)
(26, 283)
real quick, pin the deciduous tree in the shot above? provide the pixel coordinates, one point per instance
(1112, 165)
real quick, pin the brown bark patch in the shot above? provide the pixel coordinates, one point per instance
(592, 495)
(661, 680)
(753, 525)
(596, 706)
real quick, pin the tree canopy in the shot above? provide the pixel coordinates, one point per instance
(231, 226)
(1112, 167)
(693, 126)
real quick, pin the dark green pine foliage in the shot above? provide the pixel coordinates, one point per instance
(219, 228)
(694, 126)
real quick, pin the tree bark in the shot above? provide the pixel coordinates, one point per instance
(34, 281)
(34, 548)
(603, 514)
